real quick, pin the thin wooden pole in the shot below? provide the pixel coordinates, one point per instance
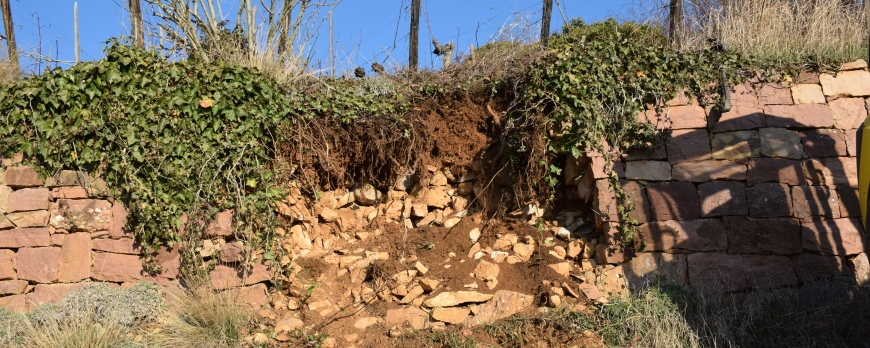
(545, 22)
(76, 32)
(415, 34)
(136, 23)
(331, 55)
(676, 20)
(10, 37)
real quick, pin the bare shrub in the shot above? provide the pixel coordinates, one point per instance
(273, 36)
(96, 316)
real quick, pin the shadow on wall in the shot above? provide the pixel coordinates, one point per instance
(765, 195)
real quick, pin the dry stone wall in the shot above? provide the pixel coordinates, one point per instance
(764, 194)
(58, 234)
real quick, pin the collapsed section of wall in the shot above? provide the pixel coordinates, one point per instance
(764, 194)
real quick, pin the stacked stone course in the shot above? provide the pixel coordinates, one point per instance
(762, 195)
(59, 234)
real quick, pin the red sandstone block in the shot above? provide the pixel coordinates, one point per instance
(39, 265)
(75, 258)
(117, 268)
(22, 176)
(117, 227)
(833, 237)
(35, 218)
(24, 237)
(605, 201)
(15, 303)
(599, 164)
(780, 170)
(673, 201)
(799, 116)
(609, 254)
(770, 94)
(780, 236)
(768, 271)
(677, 117)
(720, 198)
(51, 293)
(745, 112)
(637, 194)
(815, 201)
(27, 199)
(87, 215)
(224, 277)
(769, 200)
(69, 192)
(715, 271)
(810, 267)
(708, 170)
(169, 260)
(222, 226)
(254, 296)
(12, 287)
(824, 143)
(684, 236)
(848, 113)
(7, 264)
(688, 145)
(839, 171)
(652, 152)
(117, 246)
(851, 140)
(848, 201)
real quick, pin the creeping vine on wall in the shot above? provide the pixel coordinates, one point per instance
(586, 94)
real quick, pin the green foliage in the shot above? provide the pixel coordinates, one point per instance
(586, 95)
(176, 138)
(352, 100)
(170, 137)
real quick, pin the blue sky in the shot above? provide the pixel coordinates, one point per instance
(364, 30)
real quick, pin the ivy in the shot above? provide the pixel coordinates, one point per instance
(587, 93)
(170, 137)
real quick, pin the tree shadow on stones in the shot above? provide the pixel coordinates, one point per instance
(765, 199)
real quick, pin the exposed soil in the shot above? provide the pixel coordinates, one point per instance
(452, 131)
(449, 247)
(446, 130)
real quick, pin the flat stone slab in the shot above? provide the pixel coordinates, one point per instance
(684, 236)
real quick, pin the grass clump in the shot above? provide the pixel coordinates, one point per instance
(775, 32)
(648, 319)
(201, 317)
(824, 313)
(13, 326)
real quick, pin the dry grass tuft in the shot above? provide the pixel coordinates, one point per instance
(774, 31)
(7, 73)
(96, 316)
(201, 317)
